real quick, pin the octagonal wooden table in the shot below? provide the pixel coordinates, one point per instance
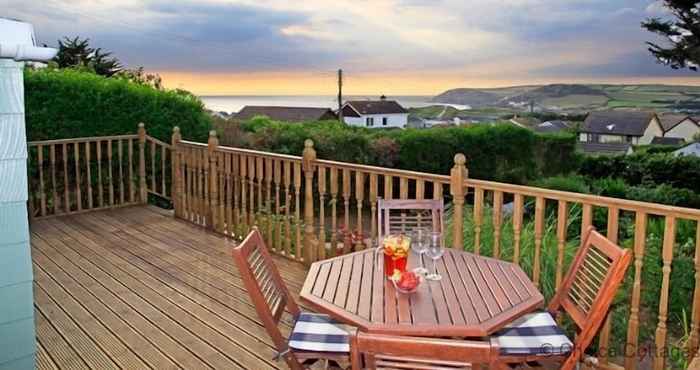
(476, 296)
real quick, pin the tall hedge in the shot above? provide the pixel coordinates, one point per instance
(501, 152)
(64, 103)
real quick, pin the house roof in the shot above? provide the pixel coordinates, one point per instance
(552, 126)
(605, 148)
(291, 114)
(376, 106)
(617, 123)
(667, 141)
(669, 121)
(690, 149)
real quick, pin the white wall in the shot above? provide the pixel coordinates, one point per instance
(393, 120)
(652, 131)
(684, 130)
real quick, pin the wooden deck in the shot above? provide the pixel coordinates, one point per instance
(134, 288)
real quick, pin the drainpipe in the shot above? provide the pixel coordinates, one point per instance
(17, 333)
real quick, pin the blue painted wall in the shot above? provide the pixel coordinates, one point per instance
(17, 338)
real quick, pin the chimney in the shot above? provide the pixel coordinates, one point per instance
(382, 98)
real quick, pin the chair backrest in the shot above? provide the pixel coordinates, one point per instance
(395, 216)
(373, 351)
(590, 286)
(265, 286)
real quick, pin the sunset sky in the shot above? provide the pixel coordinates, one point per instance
(397, 47)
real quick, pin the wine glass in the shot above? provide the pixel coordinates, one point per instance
(435, 251)
(419, 244)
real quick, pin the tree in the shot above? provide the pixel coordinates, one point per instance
(682, 33)
(78, 53)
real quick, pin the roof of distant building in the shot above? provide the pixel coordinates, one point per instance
(667, 141)
(617, 122)
(670, 120)
(290, 114)
(552, 126)
(375, 107)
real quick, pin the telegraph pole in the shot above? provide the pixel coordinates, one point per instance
(340, 95)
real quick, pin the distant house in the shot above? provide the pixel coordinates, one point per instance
(679, 126)
(672, 141)
(552, 126)
(620, 127)
(690, 149)
(288, 114)
(524, 122)
(606, 148)
(375, 113)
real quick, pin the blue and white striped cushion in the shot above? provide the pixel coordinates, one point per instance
(319, 333)
(533, 334)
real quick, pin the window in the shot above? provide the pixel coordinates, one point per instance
(385, 121)
(369, 121)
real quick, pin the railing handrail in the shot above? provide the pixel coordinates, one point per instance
(595, 200)
(82, 140)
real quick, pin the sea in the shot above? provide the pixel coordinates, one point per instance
(234, 103)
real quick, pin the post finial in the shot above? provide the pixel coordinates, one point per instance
(212, 133)
(308, 143)
(176, 130)
(460, 159)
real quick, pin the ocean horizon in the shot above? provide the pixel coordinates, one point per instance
(234, 103)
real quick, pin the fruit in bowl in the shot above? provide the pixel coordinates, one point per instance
(406, 282)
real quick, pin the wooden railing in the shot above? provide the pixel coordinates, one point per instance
(310, 209)
(76, 175)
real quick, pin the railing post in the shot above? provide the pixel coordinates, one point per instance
(212, 212)
(176, 174)
(143, 190)
(308, 165)
(458, 175)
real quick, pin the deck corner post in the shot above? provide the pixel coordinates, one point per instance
(143, 190)
(309, 166)
(213, 206)
(175, 172)
(458, 175)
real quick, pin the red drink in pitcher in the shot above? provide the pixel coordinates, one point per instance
(395, 254)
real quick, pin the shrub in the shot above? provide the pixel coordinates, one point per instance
(572, 183)
(68, 104)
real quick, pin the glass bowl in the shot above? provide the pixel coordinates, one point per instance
(402, 290)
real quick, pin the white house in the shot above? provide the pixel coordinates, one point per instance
(375, 113)
(690, 149)
(680, 126)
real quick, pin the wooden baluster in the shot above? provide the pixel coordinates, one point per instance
(54, 184)
(163, 155)
(287, 205)
(221, 185)
(132, 196)
(640, 230)
(66, 185)
(346, 198)
(143, 191)
(109, 173)
(403, 195)
(259, 177)
(309, 166)
(188, 200)
(334, 209)
(539, 230)
(458, 175)
(88, 174)
(437, 191)
(695, 318)
(278, 222)
(420, 189)
(120, 156)
(176, 178)
(197, 185)
(153, 166)
(478, 213)
(587, 217)
(236, 187)
(251, 188)
(243, 167)
(562, 215)
(268, 203)
(100, 189)
(373, 190)
(388, 187)
(661, 329)
(78, 192)
(360, 198)
(214, 216)
(297, 211)
(42, 189)
(206, 213)
(604, 337)
(518, 201)
(497, 218)
(321, 213)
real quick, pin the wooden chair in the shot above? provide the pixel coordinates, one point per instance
(378, 351)
(314, 336)
(585, 295)
(401, 216)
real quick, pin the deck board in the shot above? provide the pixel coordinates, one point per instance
(136, 288)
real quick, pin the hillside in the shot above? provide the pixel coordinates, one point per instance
(577, 97)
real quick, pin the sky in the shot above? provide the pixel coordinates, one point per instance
(394, 47)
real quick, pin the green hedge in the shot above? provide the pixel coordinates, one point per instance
(65, 103)
(501, 152)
